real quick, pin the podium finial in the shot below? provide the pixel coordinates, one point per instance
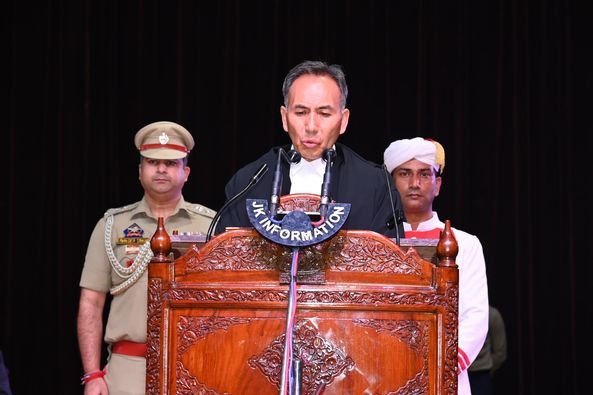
(160, 243)
(447, 246)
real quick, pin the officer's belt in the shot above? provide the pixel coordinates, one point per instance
(126, 347)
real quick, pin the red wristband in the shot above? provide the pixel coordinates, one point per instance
(97, 374)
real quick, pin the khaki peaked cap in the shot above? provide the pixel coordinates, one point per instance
(164, 140)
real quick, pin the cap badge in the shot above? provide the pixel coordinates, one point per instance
(163, 138)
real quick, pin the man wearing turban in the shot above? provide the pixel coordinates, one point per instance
(416, 166)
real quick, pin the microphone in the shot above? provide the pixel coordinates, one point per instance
(291, 156)
(254, 180)
(398, 215)
(329, 156)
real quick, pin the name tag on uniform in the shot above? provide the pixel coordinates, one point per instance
(132, 249)
(131, 240)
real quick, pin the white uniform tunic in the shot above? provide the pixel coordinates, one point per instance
(473, 295)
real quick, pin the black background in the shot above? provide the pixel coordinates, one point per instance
(503, 85)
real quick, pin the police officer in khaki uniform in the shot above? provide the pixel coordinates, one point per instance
(117, 257)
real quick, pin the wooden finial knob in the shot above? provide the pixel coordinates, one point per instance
(160, 243)
(447, 247)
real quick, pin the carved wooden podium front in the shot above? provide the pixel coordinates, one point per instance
(372, 317)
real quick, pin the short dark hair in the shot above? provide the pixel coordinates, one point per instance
(316, 68)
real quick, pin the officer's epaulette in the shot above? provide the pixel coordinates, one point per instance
(117, 210)
(199, 209)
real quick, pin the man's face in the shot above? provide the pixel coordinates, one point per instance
(163, 176)
(417, 185)
(314, 119)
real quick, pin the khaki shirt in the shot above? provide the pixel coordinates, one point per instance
(127, 314)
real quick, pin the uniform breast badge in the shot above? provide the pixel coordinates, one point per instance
(133, 239)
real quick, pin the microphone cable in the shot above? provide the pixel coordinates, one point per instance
(254, 180)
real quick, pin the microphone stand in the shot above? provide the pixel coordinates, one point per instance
(291, 375)
(299, 223)
(295, 221)
(291, 367)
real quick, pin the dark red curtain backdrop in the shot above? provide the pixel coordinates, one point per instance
(504, 85)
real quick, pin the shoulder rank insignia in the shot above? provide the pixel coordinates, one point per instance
(202, 210)
(113, 211)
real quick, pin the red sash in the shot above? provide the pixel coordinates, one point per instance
(423, 234)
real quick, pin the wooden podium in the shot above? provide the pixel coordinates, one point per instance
(372, 317)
